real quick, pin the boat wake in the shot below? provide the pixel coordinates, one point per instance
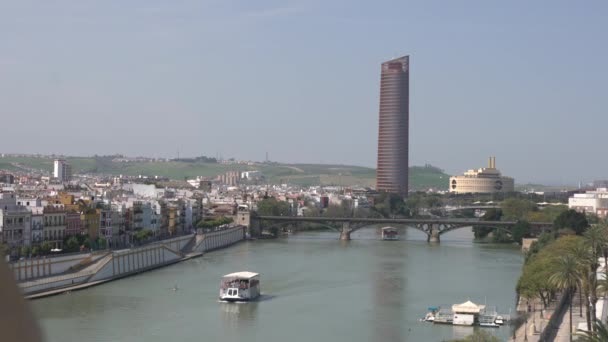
(260, 298)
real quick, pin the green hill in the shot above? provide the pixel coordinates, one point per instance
(421, 177)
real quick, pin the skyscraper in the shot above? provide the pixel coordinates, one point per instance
(62, 170)
(393, 131)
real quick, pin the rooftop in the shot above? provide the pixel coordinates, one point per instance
(242, 275)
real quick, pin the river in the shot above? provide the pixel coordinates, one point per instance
(315, 288)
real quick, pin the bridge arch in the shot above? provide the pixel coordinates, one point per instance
(296, 223)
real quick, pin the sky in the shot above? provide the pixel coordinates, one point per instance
(525, 81)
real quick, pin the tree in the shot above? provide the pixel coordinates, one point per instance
(390, 205)
(101, 243)
(539, 266)
(514, 209)
(342, 210)
(72, 244)
(87, 243)
(491, 214)
(45, 247)
(596, 240)
(599, 333)
(272, 207)
(219, 221)
(543, 240)
(312, 210)
(147, 233)
(547, 214)
(35, 251)
(534, 280)
(25, 251)
(520, 230)
(573, 220)
(566, 276)
(583, 256)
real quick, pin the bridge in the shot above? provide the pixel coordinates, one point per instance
(433, 228)
(470, 207)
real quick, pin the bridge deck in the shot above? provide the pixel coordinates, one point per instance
(399, 221)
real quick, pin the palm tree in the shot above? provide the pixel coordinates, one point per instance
(599, 334)
(566, 276)
(582, 253)
(596, 240)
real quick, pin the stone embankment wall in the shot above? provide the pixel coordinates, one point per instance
(50, 266)
(123, 263)
(136, 260)
(178, 243)
(219, 239)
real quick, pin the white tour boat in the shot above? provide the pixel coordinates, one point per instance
(240, 287)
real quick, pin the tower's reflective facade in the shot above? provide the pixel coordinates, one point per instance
(393, 131)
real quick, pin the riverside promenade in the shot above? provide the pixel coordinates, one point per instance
(539, 319)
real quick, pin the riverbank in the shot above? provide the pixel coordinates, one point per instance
(125, 263)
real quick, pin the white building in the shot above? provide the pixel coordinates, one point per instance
(15, 222)
(62, 170)
(251, 175)
(595, 202)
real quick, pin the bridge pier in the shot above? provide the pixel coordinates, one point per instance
(433, 236)
(345, 231)
(254, 227)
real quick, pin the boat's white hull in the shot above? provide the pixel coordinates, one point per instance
(233, 299)
(494, 325)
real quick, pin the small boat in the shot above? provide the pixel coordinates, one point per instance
(499, 320)
(390, 234)
(444, 316)
(488, 320)
(430, 315)
(240, 287)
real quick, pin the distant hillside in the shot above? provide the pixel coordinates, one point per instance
(421, 177)
(428, 177)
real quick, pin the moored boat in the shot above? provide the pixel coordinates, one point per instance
(488, 319)
(430, 315)
(444, 316)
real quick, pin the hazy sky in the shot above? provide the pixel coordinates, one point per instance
(525, 81)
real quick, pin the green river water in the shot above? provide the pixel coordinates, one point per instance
(315, 288)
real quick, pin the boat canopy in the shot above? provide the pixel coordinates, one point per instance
(241, 275)
(468, 307)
